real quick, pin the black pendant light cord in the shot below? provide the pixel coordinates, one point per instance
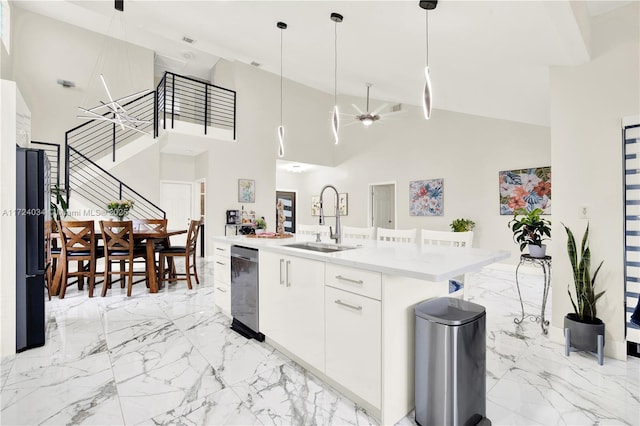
(426, 13)
(335, 63)
(281, 76)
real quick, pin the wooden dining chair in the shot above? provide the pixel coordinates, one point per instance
(79, 245)
(119, 246)
(155, 225)
(187, 251)
(52, 255)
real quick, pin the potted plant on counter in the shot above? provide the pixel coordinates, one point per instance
(261, 225)
(583, 323)
(529, 229)
(462, 225)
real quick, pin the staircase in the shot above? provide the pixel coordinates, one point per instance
(93, 147)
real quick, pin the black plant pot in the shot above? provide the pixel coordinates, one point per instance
(584, 335)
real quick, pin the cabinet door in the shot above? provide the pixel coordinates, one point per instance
(353, 350)
(305, 309)
(273, 293)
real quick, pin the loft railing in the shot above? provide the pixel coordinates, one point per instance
(97, 139)
(53, 154)
(98, 186)
(187, 99)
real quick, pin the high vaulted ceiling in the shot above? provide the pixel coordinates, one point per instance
(486, 58)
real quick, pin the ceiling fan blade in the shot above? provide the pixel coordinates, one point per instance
(352, 123)
(380, 108)
(357, 109)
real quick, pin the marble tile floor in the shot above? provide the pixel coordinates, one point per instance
(170, 358)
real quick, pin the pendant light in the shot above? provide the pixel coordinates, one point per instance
(427, 97)
(114, 110)
(335, 118)
(282, 27)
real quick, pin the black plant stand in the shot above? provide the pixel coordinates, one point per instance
(545, 263)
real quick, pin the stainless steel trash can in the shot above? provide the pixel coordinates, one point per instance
(450, 363)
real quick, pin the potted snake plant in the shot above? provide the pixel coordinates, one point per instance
(583, 323)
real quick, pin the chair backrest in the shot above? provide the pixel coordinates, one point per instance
(192, 235)
(157, 225)
(77, 236)
(397, 235)
(356, 233)
(446, 238)
(306, 229)
(117, 236)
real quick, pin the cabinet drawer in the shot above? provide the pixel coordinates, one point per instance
(353, 343)
(359, 281)
(222, 296)
(222, 249)
(222, 269)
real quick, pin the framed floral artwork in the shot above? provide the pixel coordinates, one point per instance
(426, 197)
(527, 189)
(246, 191)
(329, 209)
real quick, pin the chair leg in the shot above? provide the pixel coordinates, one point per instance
(92, 277)
(195, 269)
(80, 277)
(122, 275)
(130, 275)
(63, 281)
(186, 265)
(160, 277)
(107, 280)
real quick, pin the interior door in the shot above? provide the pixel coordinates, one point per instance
(176, 199)
(289, 201)
(383, 206)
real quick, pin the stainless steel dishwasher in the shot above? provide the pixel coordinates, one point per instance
(244, 292)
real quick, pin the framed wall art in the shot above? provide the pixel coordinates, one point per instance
(246, 191)
(329, 208)
(527, 189)
(426, 197)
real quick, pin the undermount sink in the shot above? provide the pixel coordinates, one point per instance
(320, 247)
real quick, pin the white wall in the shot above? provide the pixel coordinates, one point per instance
(45, 50)
(587, 104)
(467, 151)
(177, 167)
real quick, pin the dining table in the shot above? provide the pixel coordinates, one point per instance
(151, 238)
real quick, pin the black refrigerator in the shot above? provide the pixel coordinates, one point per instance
(32, 209)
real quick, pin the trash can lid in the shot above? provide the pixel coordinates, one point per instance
(449, 311)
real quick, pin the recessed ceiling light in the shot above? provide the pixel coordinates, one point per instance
(188, 39)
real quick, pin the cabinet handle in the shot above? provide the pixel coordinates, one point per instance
(340, 302)
(281, 279)
(221, 249)
(220, 263)
(221, 289)
(349, 280)
(288, 277)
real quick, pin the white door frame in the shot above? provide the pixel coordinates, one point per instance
(370, 203)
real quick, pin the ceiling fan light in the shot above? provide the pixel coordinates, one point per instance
(367, 121)
(427, 96)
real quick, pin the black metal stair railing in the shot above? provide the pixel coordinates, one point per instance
(187, 99)
(98, 186)
(53, 154)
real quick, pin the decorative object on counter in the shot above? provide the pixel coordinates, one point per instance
(462, 225)
(261, 225)
(335, 117)
(246, 191)
(426, 197)
(282, 26)
(583, 329)
(527, 189)
(119, 209)
(281, 217)
(529, 229)
(427, 96)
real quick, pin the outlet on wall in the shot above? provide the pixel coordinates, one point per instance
(584, 212)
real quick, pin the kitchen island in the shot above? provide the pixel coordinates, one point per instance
(347, 315)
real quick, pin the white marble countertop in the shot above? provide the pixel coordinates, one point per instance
(432, 263)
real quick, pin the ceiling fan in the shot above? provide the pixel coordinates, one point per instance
(368, 117)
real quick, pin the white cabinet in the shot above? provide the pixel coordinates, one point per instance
(292, 305)
(222, 277)
(353, 352)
